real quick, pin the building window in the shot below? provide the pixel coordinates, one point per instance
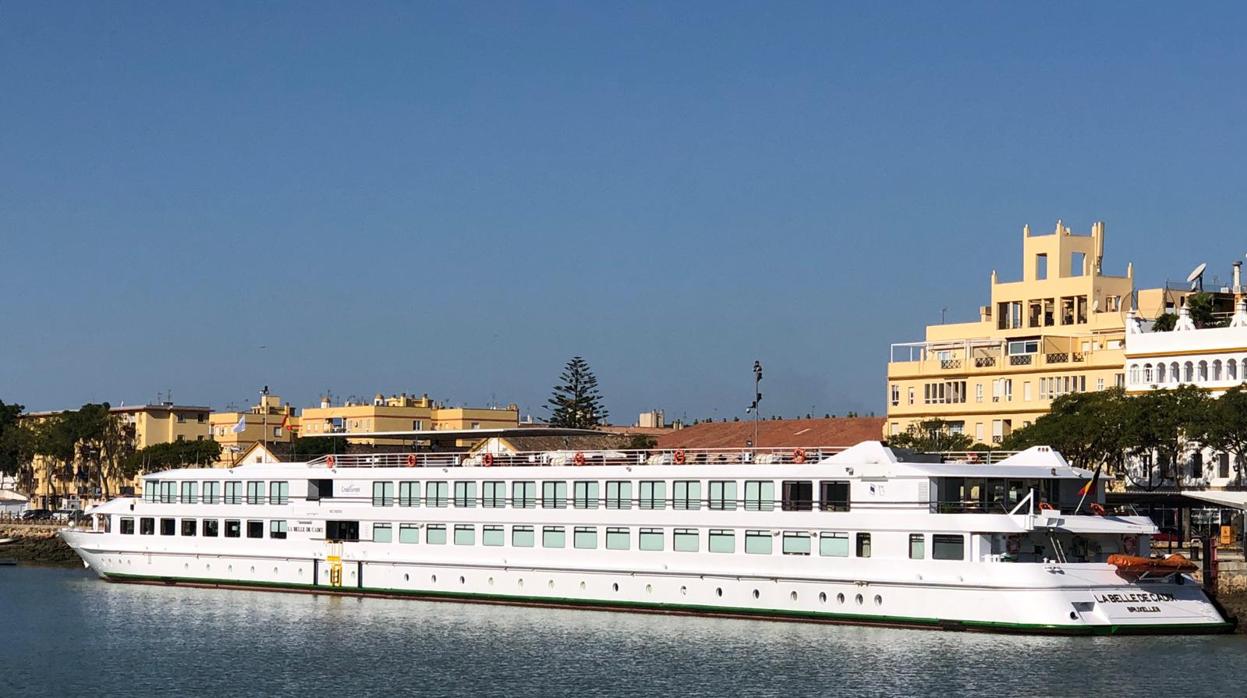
(493, 536)
(437, 494)
(409, 494)
(585, 537)
(758, 542)
(686, 494)
(948, 547)
(833, 544)
(212, 490)
(524, 495)
(619, 495)
(917, 546)
(382, 533)
(978, 432)
(189, 526)
(168, 527)
(190, 492)
(553, 495)
(1099, 384)
(212, 528)
(233, 493)
(553, 537)
(435, 534)
(279, 492)
(277, 529)
(127, 526)
(653, 494)
(650, 539)
(863, 545)
(408, 533)
(978, 392)
(522, 537)
(465, 494)
(911, 395)
(1216, 370)
(798, 495)
(722, 541)
(585, 495)
(796, 543)
(255, 529)
(383, 494)
(684, 540)
(1231, 370)
(723, 495)
(1203, 371)
(895, 394)
(465, 534)
(494, 494)
(617, 539)
(1188, 372)
(233, 528)
(759, 495)
(1026, 391)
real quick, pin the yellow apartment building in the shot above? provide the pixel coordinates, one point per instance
(263, 422)
(401, 413)
(1059, 329)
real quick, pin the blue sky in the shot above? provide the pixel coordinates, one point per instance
(456, 198)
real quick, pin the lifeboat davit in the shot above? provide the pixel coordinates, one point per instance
(1135, 565)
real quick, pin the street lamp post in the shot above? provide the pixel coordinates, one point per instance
(757, 398)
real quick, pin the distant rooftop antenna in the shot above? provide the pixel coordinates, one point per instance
(1196, 277)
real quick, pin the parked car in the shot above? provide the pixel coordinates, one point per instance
(36, 515)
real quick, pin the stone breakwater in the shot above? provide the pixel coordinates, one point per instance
(36, 544)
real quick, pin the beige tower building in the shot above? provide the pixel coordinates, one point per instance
(1059, 329)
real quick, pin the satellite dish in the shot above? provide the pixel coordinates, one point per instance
(1196, 277)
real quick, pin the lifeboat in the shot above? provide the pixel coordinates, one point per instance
(1135, 565)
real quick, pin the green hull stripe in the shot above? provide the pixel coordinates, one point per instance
(846, 618)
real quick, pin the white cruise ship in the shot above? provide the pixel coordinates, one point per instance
(855, 537)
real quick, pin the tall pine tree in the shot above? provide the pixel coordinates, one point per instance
(576, 402)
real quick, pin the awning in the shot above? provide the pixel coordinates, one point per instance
(1237, 500)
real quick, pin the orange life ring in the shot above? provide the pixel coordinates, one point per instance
(1044, 506)
(330, 460)
(487, 460)
(411, 460)
(798, 456)
(579, 458)
(679, 457)
(1097, 509)
(1130, 545)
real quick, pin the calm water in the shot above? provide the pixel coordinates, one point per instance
(63, 632)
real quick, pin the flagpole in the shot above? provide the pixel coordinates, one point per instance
(1088, 488)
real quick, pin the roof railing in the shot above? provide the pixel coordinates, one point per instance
(587, 457)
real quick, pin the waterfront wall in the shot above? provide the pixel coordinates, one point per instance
(36, 544)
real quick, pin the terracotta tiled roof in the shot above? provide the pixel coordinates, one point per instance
(843, 431)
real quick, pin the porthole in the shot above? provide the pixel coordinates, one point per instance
(462, 580)
(649, 588)
(858, 599)
(615, 586)
(186, 565)
(550, 584)
(878, 600)
(1073, 615)
(683, 591)
(756, 593)
(491, 581)
(253, 569)
(406, 577)
(822, 597)
(718, 591)
(521, 582)
(434, 578)
(793, 596)
(839, 598)
(274, 570)
(300, 571)
(582, 586)
(230, 568)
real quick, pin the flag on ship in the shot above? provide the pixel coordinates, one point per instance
(241, 425)
(1089, 487)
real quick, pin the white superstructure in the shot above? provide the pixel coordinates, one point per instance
(858, 536)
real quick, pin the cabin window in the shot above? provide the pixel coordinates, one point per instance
(758, 542)
(759, 495)
(833, 544)
(382, 533)
(151, 491)
(279, 492)
(798, 495)
(127, 526)
(147, 526)
(383, 494)
(917, 546)
(435, 534)
(342, 530)
(277, 529)
(494, 494)
(189, 526)
(255, 492)
(554, 495)
(319, 489)
(190, 492)
(524, 495)
(796, 543)
(168, 527)
(723, 495)
(493, 535)
(168, 492)
(863, 545)
(948, 547)
(233, 493)
(684, 540)
(437, 494)
(465, 534)
(522, 537)
(255, 529)
(585, 495)
(212, 490)
(833, 495)
(686, 494)
(653, 494)
(650, 539)
(722, 541)
(212, 528)
(553, 537)
(617, 539)
(585, 537)
(619, 495)
(408, 533)
(409, 494)
(233, 528)
(465, 494)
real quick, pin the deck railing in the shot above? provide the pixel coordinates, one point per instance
(672, 456)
